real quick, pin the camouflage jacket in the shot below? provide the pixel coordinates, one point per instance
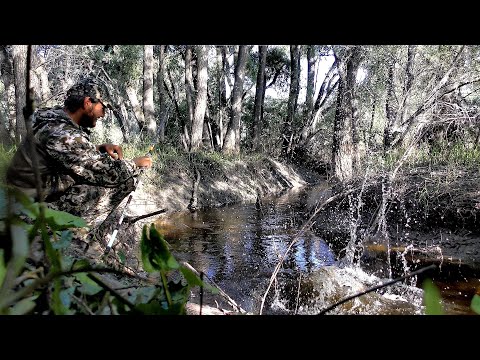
(66, 156)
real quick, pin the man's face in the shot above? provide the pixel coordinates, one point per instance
(93, 110)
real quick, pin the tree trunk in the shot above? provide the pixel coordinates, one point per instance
(342, 147)
(259, 99)
(161, 94)
(137, 109)
(8, 94)
(292, 99)
(20, 72)
(201, 98)
(189, 88)
(311, 60)
(148, 108)
(184, 134)
(232, 138)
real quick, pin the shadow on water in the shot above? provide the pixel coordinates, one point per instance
(238, 247)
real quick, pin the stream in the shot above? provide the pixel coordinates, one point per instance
(238, 247)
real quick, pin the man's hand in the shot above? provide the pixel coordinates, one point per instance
(143, 161)
(115, 151)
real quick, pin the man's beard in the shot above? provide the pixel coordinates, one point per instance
(87, 121)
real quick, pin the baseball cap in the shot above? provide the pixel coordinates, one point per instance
(92, 88)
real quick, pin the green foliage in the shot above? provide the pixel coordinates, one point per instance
(432, 298)
(6, 154)
(156, 257)
(475, 305)
(71, 286)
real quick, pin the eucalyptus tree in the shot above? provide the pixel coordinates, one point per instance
(232, 137)
(162, 89)
(420, 80)
(19, 53)
(316, 108)
(292, 99)
(259, 98)
(200, 97)
(343, 149)
(7, 94)
(148, 107)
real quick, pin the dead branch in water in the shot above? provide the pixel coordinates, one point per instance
(223, 293)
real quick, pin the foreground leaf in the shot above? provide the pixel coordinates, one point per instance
(432, 298)
(475, 305)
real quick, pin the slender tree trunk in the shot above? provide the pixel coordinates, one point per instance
(292, 99)
(137, 109)
(201, 98)
(259, 99)
(161, 94)
(342, 147)
(352, 69)
(189, 88)
(184, 134)
(311, 60)
(8, 95)
(20, 72)
(389, 109)
(148, 108)
(232, 138)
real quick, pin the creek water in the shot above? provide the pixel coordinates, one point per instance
(238, 247)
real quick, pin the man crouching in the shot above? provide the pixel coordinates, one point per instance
(77, 176)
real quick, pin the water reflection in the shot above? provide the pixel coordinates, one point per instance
(239, 246)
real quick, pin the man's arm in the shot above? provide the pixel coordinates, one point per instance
(82, 160)
(115, 151)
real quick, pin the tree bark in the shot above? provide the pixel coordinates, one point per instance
(20, 72)
(259, 98)
(189, 88)
(201, 98)
(292, 99)
(148, 108)
(232, 138)
(311, 60)
(137, 109)
(342, 147)
(161, 94)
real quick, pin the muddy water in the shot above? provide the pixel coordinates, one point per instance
(238, 247)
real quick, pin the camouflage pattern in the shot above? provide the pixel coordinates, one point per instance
(76, 177)
(91, 88)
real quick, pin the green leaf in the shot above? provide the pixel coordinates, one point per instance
(194, 280)
(24, 306)
(143, 294)
(122, 257)
(66, 296)
(64, 242)
(89, 287)
(81, 264)
(61, 220)
(432, 298)
(153, 308)
(155, 253)
(475, 305)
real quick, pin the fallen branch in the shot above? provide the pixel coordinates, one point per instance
(223, 293)
(135, 219)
